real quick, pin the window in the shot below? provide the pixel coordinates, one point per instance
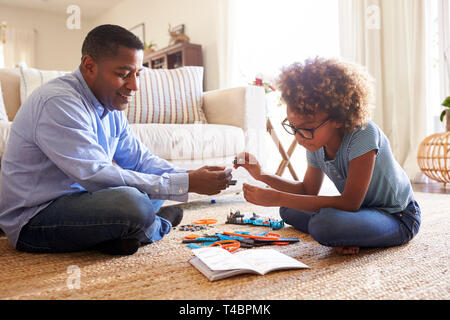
(271, 34)
(438, 63)
(268, 35)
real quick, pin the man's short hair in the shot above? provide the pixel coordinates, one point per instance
(104, 40)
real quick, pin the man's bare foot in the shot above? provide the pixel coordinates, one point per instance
(347, 250)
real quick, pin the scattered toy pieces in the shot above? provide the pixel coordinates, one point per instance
(238, 218)
(205, 221)
(198, 225)
(194, 227)
(245, 240)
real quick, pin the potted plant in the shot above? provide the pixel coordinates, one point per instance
(446, 104)
(149, 48)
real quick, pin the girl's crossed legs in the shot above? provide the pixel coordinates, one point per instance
(347, 231)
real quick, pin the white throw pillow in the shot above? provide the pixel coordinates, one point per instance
(31, 78)
(168, 96)
(3, 114)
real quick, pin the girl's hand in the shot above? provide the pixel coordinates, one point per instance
(249, 163)
(261, 196)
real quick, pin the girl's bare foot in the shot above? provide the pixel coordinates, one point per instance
(347, 250)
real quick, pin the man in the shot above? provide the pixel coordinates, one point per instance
(60, 191)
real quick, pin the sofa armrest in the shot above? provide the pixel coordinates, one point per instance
(242, 107)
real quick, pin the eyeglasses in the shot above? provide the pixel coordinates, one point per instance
(307, 134)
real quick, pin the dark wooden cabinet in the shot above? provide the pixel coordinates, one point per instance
(175, 56)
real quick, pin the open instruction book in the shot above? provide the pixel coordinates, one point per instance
(217, 263)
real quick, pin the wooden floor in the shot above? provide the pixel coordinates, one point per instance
(431, 187)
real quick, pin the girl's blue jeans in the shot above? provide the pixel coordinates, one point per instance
(81, 220)
(364, 228)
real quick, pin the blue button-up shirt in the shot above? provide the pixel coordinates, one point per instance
(62, 141)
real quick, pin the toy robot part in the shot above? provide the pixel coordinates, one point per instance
(254, 219)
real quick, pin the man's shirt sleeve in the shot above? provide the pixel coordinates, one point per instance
(65, 134)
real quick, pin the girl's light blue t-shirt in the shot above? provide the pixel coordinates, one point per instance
(390, 189)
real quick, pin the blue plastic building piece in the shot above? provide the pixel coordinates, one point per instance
(254, 219)
(225, 237)
(193, 246)
(241, 232)
(205, 244)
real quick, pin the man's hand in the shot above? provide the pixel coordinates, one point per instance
(261, 196)
(209, 180)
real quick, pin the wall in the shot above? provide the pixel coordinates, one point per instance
(199, 17)
(57, 48)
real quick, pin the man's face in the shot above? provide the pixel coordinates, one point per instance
(116, 78)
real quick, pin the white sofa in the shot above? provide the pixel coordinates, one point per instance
(235, 122)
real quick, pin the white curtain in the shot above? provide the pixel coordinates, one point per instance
(444, 47)
(388, 37)
(225, 46)
(19, 47)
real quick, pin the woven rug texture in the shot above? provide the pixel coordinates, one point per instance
(417, 270)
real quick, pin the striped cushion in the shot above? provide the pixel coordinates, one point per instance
(168, 96)
(31, 78)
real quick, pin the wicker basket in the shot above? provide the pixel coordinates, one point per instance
(434, 157)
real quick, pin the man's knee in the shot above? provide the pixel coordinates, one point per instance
(134, 206)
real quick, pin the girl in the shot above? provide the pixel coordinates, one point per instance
(328, 107)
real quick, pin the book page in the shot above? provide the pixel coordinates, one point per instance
(214, 275)
(266, 260)
(217, 258)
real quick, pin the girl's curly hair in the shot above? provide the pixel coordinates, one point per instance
(343, 90)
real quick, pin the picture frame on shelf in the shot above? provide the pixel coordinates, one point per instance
(139, 31)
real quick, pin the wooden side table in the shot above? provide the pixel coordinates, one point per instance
(285, 162)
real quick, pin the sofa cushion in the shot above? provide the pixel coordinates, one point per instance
(190, 141)
(31, 78)
(3, 115)
(168, 96)
(178, 141)
(10, 83)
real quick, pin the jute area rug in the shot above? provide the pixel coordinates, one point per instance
(418, 270)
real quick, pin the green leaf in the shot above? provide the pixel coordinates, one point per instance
(446, 102)
(442, 115)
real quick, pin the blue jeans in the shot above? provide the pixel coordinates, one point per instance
(81, 220)
(364, 228)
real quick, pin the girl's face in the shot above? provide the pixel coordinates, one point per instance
(313, 131)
